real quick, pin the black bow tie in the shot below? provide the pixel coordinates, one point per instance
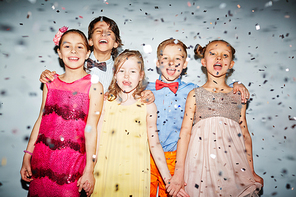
(91, 64)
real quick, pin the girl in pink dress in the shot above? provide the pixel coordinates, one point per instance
(214, 155)
(59, 155)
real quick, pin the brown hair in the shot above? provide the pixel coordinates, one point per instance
(112, 26)
(77, 32)
(168, 42)
(199, 50)
(119, 61)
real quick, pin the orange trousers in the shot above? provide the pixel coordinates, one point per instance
(156, 179)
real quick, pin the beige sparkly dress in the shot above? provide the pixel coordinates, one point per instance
(123, 166)
(216, 163)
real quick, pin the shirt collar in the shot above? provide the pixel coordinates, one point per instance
(177, 80)
(92, 56)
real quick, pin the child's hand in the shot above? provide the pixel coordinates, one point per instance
(47, 76)
(243, 90)
(147, 97)
(182, 193)
(258, 179)
(106, 96)
(174, 185)
(86, 182)
(26, 171)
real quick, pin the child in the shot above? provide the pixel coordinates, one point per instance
(63, 140)
(126, 127)
(214, 157)
(170, 97)
(104, 39)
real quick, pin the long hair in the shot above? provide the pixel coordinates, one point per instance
(114, 89)
(113, 27)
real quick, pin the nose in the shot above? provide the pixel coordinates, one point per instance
(104, 33)
(218, 57)
(73, 50)
(126, 74)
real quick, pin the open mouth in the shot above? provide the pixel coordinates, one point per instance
(103, 41)
(218, 67)
(126, 83)
(171, 71)
(73, 58)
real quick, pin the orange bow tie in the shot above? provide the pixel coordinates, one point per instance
(172, 86)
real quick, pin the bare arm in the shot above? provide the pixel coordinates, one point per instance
(177, 180)
(248, 143)
(155, 146)
(26, 171)
(96, 95)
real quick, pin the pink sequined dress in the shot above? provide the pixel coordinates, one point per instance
(59, 155)
(216, 163)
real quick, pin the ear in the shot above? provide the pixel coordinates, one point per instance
(59, 52)
(157, 63)
(203, 62)
(231, 64)
(115, 45)
(185, 64)
(87, 54)
(90, 42)
(141, 75)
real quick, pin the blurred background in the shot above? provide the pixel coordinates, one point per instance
(261, 31)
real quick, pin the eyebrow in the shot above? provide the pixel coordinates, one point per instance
(101, 28)
(65, 42)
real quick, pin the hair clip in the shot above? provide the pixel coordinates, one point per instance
(58, 35)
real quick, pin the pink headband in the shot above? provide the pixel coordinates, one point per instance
(58, 35)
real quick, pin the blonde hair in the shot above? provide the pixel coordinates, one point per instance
(169, 42)
(114, 89)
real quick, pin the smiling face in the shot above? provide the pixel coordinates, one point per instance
(103, 38)
(171, 62)
(73, 50)
(129, 75)
(218, 58)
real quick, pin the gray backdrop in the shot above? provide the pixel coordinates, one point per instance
(262, 32)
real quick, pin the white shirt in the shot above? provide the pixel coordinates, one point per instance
(105, 78)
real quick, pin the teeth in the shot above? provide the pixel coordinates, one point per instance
(73, 58)
(103, 41)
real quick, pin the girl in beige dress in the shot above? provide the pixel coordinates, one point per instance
(126, 130)
(214, 156)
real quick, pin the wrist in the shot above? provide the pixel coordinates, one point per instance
(28, 152)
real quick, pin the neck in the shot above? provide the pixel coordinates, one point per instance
(216, 84)
(71, 75)
(102, 56)
(126, 98)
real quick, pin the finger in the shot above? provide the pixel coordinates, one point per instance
(79, 181)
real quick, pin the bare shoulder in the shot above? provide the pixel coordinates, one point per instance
(97, 88)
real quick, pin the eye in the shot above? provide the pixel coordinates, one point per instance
(121, 70)
(225, 55)
(109, 33)
(133, 71)
(66, 46)
(211, 53)
(80, 47)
